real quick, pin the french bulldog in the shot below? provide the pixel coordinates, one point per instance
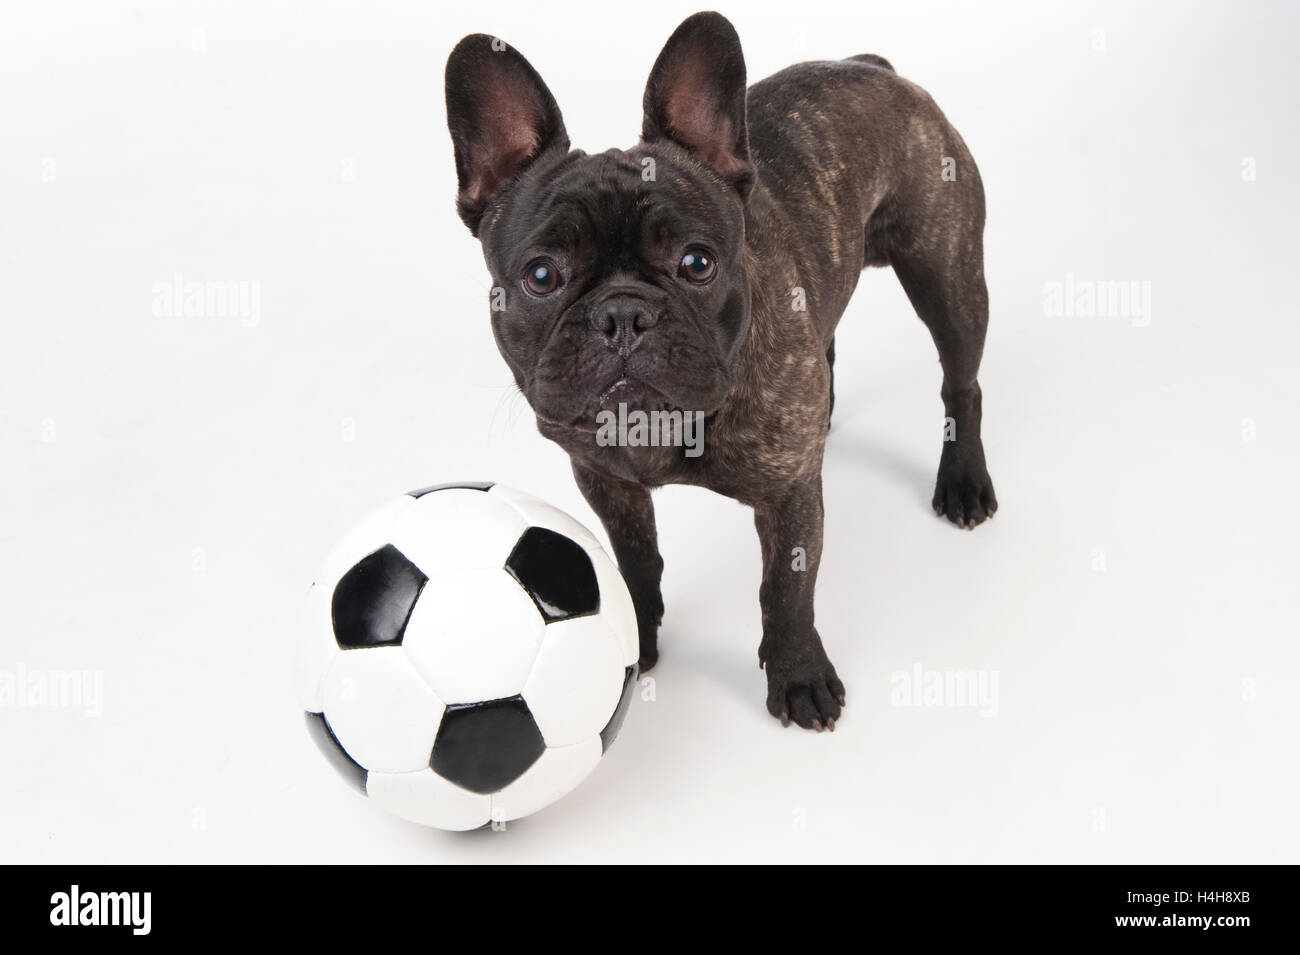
(702, 273)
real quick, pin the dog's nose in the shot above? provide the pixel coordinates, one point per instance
(622, 320)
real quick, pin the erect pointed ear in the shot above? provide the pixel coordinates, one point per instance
(501, 117)
(696, 97)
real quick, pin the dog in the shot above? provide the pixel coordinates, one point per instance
(702, 273)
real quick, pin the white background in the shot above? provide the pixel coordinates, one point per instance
(170, 483)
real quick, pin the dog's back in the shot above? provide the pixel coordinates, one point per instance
(853, 156)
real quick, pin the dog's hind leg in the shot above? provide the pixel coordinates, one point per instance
(939, 259)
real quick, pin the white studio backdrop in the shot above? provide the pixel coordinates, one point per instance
(172, 479)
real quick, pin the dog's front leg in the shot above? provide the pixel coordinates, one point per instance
(628, 514)
(801, 683)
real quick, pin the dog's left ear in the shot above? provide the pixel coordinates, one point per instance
(696, 97)
(501, 117)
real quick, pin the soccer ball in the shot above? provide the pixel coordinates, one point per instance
(469, 653)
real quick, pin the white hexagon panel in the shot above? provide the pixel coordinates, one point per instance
(474, 635)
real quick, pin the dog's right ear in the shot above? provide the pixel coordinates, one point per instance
(501, 117)
(696, 97)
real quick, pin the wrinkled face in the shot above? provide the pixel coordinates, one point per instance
(618, 278)
(613, 288)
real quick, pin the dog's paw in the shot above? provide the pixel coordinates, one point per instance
(810, 696)
(649, 657)
(648, 635)
(964, 493)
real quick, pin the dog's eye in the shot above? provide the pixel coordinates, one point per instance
(542, 277)
(697, 266)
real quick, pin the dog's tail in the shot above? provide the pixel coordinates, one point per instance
(874, 61)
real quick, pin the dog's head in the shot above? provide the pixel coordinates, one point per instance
(619, 277)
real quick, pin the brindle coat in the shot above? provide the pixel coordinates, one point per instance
(799, 183)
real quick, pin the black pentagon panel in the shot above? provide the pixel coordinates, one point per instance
(610, 732)
(484, 747)
(557, 574)
(373, 600)
(347, 767)
(464, 485)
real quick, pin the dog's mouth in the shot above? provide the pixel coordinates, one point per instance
(623, 395)
(626, 394)
(620, 390)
